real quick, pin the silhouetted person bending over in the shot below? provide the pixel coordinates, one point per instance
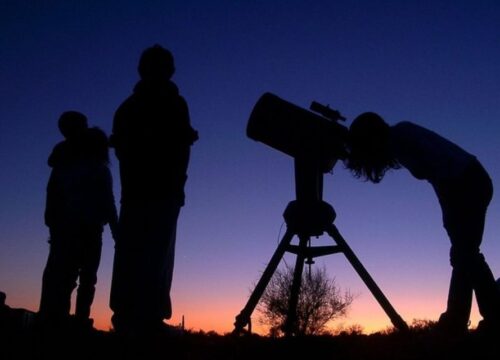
(79, 203)
(464, 190)
(152, 137)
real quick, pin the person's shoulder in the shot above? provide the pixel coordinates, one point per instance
(182, 102)
(129, 100)
(60, 147)
(59, 154)
(125, 108)
(407, 127)
(405, 124)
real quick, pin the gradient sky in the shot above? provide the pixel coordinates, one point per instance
(436, 63)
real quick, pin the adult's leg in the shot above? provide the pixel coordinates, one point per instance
(167, 270)
(126, 278)
(159, 269)
(464, 207)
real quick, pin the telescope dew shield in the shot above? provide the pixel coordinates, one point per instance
(296, 131)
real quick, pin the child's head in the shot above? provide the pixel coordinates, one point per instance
(72, 124)
(369, 154)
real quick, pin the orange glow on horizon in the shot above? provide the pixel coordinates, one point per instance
(217, 313)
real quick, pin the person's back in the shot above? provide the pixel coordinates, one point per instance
(428, 155)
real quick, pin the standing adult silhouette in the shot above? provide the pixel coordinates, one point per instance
(152, 137)
(464, 190)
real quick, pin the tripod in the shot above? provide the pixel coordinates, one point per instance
(308, 216)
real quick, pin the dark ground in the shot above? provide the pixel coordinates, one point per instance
(21, 338)
(418, 344)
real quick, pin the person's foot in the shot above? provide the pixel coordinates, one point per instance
(83, 324)
(488, 328)
(123, 326)
(449, 326)
(52, 324)
(144, 328)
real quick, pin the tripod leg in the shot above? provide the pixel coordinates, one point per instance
(243, 318)
(396, 320)
(291, 318)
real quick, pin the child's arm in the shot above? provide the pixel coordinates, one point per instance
(112, 214)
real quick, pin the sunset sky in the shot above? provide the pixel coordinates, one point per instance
(436, 63)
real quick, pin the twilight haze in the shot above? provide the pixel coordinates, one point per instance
(436, 63)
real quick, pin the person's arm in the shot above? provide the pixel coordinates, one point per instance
(188, 133)
(59, 154)
(111, 213)
(52, 200)
(121, 134)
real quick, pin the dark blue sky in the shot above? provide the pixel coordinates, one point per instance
(435, 63)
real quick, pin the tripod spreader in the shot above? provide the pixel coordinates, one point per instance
(306, 219)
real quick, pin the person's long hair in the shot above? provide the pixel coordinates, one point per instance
(368, 146)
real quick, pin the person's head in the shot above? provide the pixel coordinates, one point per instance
(368, 143)
(156, 62)
(97, 145)
(72, 124)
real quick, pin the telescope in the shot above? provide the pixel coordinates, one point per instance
(315, 140)
(298, 132)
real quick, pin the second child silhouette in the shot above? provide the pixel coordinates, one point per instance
(79, 204)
